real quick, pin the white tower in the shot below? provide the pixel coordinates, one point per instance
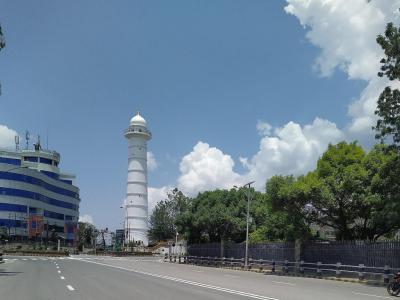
(136, 203)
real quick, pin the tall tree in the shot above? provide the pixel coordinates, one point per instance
(388, 109)
(164, 216)
(284, 211)
(218, 215)
(86, 233)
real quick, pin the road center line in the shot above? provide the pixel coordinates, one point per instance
(207, 286)
(370, 295)
(62, 277)
(70, 287)
(59, 272)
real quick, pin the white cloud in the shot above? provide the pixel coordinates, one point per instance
(86, 219)
(7, 137)
(151, 161)
(156, 195)
(292, 149)
(346, 31)
(263, 128)
(206, 168)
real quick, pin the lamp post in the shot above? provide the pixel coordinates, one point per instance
(246, 255)
(126, 227)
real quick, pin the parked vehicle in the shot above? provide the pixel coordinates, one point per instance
(393, 287)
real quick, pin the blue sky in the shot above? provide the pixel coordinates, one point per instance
(197, 71)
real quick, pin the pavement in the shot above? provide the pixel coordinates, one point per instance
(104, 278)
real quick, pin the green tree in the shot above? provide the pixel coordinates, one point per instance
(388, 109)
(286, 219)
(218, 215)
(86, 233)
(165, 214)
(383, 214)
(351, 192)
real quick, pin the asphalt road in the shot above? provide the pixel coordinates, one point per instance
(104, 278)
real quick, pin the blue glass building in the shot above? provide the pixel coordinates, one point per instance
(37, 200)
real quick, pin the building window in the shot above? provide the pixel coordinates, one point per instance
(11, 161)
(38, 197)
(31, 158)
(46, 161)
(13, 207)
(39, 182)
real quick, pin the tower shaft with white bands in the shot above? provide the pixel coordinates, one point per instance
(136, 201)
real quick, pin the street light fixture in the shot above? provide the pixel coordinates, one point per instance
(246, 257)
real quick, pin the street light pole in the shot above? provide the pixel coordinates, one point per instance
(246, 259)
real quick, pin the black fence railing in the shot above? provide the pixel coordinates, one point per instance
(373, 254)
(317, 269)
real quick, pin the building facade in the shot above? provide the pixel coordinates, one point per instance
(136, 201)
(37, 200)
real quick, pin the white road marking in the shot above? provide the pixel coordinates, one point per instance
(62, 277)
(59, 272)
(203, 285)
(24, 259)
(232, 276)
(281, 282)
(34, 258)
(70, 287)
(57, 267)
(370, 295)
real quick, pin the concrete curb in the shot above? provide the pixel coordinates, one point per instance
(349, 280)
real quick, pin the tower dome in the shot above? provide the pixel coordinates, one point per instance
(138, 120)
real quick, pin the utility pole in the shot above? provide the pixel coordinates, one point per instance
(246, 258)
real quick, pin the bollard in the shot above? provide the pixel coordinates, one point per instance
(319, 271)
(174, 258)
(261, 265)
(273, 267)
(386, 274)
(301, 267)
(170, 258)
(179, 259)
(286, 267)
(361, 274)
(250, 264)
(232, 263)
(223, 261)
(338, 271)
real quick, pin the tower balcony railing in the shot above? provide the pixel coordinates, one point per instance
(136, 130)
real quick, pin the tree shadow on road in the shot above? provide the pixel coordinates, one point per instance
(5, 273)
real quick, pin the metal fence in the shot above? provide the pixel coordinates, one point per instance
(354, 253)
(373, 254)
(319, 269)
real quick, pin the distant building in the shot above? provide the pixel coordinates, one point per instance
(37, 200)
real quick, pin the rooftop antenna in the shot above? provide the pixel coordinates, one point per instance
(38, 147)
(27, 137)
(16, 138)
